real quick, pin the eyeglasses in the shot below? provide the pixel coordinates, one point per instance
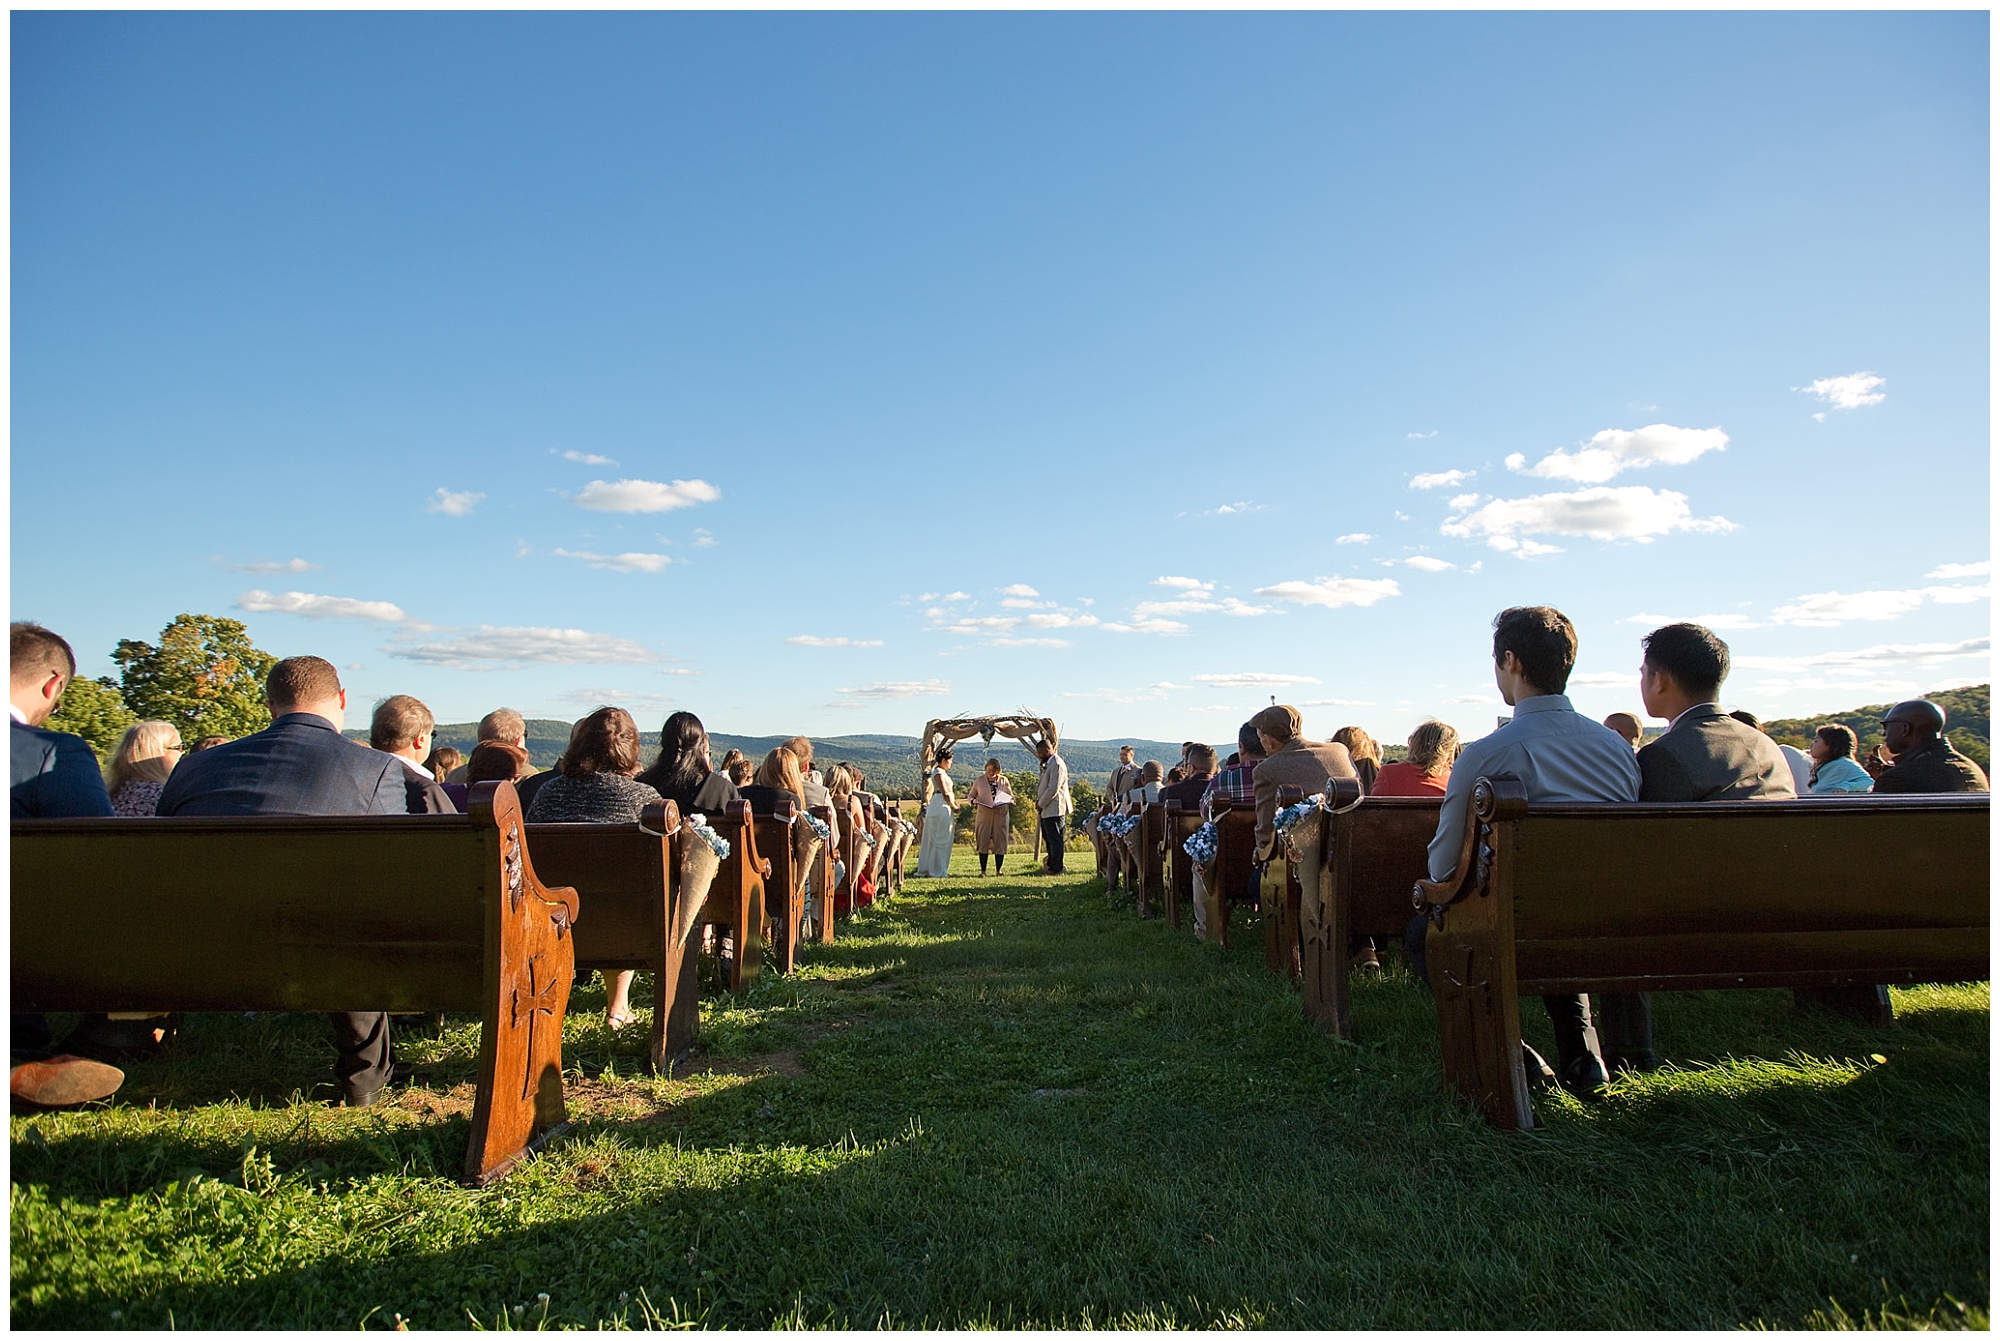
(1888, 722)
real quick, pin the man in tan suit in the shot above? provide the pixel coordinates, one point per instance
(1052, 802)
(1290, 760)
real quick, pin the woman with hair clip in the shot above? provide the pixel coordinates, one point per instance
(682, 773)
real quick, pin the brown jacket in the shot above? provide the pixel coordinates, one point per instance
(1305, 764)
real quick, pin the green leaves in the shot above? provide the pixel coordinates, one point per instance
(205, 676)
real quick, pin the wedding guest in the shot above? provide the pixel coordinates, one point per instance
(1289, 759)
(1364, 753)
(1426, 770)
(1052, 802)
(1201, 770)
(402, 726)
(1178, 773)
(732, 756)
(1925, 759)
(444, 760)
(740, 772)
(1796, 759)
(145, 758)
(207, 743)
(849, 811)
(1236, 783)
(683, 774)
(1151, 780)
(777, 778)
(495, 761)
(1627, 725)
(502, 724)
(1836, 772)
(994, 801)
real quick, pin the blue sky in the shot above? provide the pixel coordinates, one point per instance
(830, 372)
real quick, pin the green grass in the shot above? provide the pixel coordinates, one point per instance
(999, 1103)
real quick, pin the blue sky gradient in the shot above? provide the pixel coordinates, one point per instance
(642, 358)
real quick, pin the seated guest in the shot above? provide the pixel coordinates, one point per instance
(682, 773)
(740, 772)
(1558, 754)
(140, 767)
(849, 810)
(402, 726)
(495, 761)
(1796, 759)
(301, 765)
(1426, 770)
(815, 785)
(207, 743)
(732, 757)
(1365, 754)
(1236, 783)
(1178, 773)
(502, 724)
(1836, 772)
(444, 761)
(595, 782)
(1151, 780)
(1289, 760)
(1201, 770)
(777, 778)
(1925, 759)
(1627, 725)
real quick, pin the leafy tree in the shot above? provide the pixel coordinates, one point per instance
(206, 677)
(94, 710)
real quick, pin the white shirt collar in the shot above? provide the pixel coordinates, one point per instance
(19, 716)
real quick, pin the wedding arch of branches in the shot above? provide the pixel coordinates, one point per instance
(1023, 726)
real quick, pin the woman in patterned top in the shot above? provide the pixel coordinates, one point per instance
(139, 769)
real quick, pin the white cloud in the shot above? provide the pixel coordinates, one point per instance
(1019, 589)
(1414, 437)
(1201, 605)
(1475, 698)
(1334, 703)
(1724, 623)
(645, 495)
(1632, 512)
(1882, 654)
(1253, 680)
(584, 458)
(1062, 619)
(1426, 563)
(1460, 502)
(1334, 592)
(629, 699)
(888, 691)
(1876, 690)
(1184, 583)
(1442, 479)
(1029, 642)
(702, 539)
(319, 607)
(1152, 693)
(808, 640)
(1826, 608)
(1848, 393)
(491, 647)
(1617, 450)
(1402, 516)
(1233, 509)
(453, 504)
(1950, 572)
(1160, 626)
(1596, 680)
(1016, 603)
(282, 566)
(972, 624)
(630, 562)
(955, 596)
(1353, 538)
(678, 670)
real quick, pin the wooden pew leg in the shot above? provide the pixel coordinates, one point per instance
(749, 957)
(530, 965)
(1867, 1003)
(1479, 1015)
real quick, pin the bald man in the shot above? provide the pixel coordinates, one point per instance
(1913, 734)
(1627, 725)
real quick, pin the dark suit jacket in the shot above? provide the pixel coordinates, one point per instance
(298, 765)
(1707, 755)
(1188, 791)
(1935, 766)
(55, 776)
(425, 795)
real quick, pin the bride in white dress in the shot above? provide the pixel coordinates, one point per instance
(934, 856)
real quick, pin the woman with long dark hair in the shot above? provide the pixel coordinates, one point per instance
(683, 773)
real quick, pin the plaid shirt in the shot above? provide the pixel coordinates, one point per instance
(1233, 785)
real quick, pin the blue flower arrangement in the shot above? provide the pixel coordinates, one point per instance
(1201, 843)
(1291, 815)
(819, 827)
(716, 842)
(1120, 825)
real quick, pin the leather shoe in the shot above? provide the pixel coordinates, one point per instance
(1540, 1073)
(1584, 1076)
(63, 1082)
(1366, 960)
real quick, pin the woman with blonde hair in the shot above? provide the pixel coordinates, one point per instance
(1365, 753)
(1426, 770)
(847, 810)
(140, 766)
(778, 777)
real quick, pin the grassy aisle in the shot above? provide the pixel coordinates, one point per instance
(998, 1102)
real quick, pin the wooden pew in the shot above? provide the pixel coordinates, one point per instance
(822, 875)
(736, 899)
(1376, 852)
(897, 855)
(304, 913)
(1179, 819)
(1144, 855)
(1650, 897)
(1235, 851)
(848, 835)
(628, 879)
(784, 887)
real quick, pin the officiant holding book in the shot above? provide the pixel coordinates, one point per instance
(993, 816)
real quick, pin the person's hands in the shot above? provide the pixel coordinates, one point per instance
(1875, 763)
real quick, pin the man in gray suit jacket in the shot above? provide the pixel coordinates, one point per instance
(1052, 802)
(1705, 755)
(302, 765)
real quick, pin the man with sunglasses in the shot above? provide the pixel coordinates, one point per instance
(1925, 761)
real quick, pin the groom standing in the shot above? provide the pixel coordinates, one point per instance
(1052, 803)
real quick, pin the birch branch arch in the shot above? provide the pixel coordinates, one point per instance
(1025, 727)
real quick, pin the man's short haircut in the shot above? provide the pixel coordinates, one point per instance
(207, 743)
(607, 741)
(503, 724)
(300, 680)
(1748, 718)
(1542, 639)
(1150, 771)
(1246, 740)
(33, 652)
(1618, 721)
(1839, 739)
(1697, 660)
(802, 750)
(1201, 758)
(1126, 749)
(398, 721)
(1280, 722)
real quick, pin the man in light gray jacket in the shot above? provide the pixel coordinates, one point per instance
(1052, 803)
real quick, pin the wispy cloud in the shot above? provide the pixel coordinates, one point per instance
(1882, 654)
(1475, 698)
(1442, 479)
(1632, 512)
(1028, 642)
(279, 566)
(453, 504)
(1334, 703)
(1851, 392)
(1334, 592)
(702, 539)
(1418, 437)
(1019, 589)
(1253, 680)
(492, 647)
(1353, 538)
(645, 495)
(1825, 609)
(1599, 680)
(1949, 572)
(1020, 603)
(1201, 605)
(1233, 509)
(1165, 627)
(1425, 563)
(1184, 583)
(319, 607)
(889, 691)
(1719, 623)
(583, 458)
(630, 562)
(629, 699)
(808, 640)
(1617, 450)
(1151, 693)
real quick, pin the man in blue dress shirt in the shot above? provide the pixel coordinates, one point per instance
(1560, 755)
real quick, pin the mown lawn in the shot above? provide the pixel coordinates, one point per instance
(999, 1103)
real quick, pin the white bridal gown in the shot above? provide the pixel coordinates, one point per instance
(934, 856)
